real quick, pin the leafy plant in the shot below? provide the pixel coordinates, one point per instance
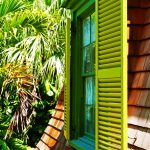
(26, 91)
(32, 40)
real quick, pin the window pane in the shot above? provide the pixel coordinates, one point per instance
(88, 59)
(90, 105)
(93, 28)
(86, 31)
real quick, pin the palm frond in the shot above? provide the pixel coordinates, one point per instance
(26, 90)
(7, 6)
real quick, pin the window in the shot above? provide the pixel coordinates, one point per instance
(88, 74)
(111, 76)
(82, 101)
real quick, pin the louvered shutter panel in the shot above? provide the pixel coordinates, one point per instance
(67, 84)
(111, 75)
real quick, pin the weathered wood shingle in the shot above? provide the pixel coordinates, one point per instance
(53, 136)
(139, 75)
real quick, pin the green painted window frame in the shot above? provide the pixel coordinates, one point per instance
(78, 139)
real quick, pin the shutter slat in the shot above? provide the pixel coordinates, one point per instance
(110, 60)
(110, 124)
(106, 3)
(109, 84)
(114, 9)
(109, 129)
(102, 2)
(110, 139)
(114, 120)
(111, 39)
(116, 95)
(110, 80)
(105, 147)
(110, 55)
(111, 75)
(107, 31)
(114, 135)
(109, 114)
(103, 9)
(110, 65)
(110, 16)
(109, 109)
(109, 104)
(109, 35)
(109, 51)
(108, 99)
(110, 145)
(110, 89)
(110, 45)
(110, 21)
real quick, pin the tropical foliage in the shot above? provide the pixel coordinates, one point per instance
(32, 39)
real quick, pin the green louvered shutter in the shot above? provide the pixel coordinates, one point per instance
(67, 84)
(111, 75)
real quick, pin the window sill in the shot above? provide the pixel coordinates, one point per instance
(83, 143)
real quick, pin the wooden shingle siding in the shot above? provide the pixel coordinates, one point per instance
(139, 75)
(53, 136)
(139, 3)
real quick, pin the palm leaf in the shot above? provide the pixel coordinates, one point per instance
(8, 6)
(26, 89)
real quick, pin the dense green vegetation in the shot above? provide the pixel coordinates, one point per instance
(32, 39)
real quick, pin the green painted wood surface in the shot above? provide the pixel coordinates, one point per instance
(67, 84)
(111, 75)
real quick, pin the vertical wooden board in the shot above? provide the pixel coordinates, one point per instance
(111, 74)
(67, 83)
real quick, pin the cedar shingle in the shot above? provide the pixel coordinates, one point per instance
(137, 63)
(139, 97)
(142, 34)
(53, 136)
(146, 143)
(42, 146)
(139, 3)
(60, 105)
(143, 117)
(139, 138)
(141, 80)
(136, 80)
(139, 75)
(132, 131)
(134, 3)
(133, 115)
(139, 12)
(142, 98)
(145, 3)
(56, 123)
(58, 114)
(133, 97)
(148, 99)
(147, 63)
(139, 47)
(132, 63)
(130, 79)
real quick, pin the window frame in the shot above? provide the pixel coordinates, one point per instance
(82, 76)
(77, 94)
